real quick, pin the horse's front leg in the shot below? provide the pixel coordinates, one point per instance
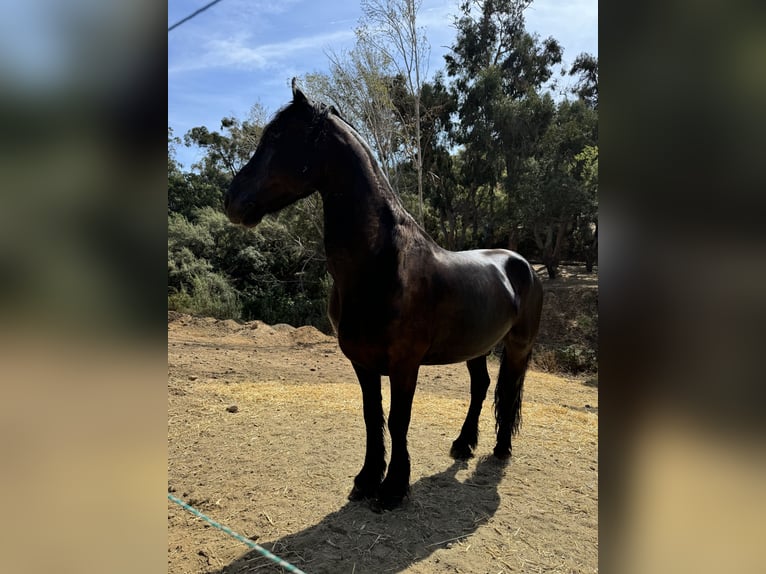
(397, 482)
(368, 480)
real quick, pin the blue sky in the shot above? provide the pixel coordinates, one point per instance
(242, 52)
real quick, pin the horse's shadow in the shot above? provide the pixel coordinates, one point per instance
(441, 511)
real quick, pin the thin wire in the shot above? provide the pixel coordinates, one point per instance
(273, 557)
(193, 14)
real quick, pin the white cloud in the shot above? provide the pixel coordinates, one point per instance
(242, 52)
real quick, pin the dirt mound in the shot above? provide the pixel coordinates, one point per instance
(257, 332)
(310, 336)
(230, 325)
(283, 335)
(176, 318)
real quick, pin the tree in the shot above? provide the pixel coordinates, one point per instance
(360, 86)
(586, 66)
(441, 185)
(228, 152)
(499, 70)
(225, 154)
(390, 26)
(586, 230)
(177, 186)
(559, 183)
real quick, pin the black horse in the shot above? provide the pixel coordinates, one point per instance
(398, 300)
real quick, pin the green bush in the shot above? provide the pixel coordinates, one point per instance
(210, 295)
(275, 272)
(570, 359)
(576, 359)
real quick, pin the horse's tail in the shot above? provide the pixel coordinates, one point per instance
(517, 352)
(509, 392)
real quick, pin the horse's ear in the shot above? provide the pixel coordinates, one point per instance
(298, 96)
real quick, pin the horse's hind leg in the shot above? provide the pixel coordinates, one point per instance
(368, 480)
(464, 444)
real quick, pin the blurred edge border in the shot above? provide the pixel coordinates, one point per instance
(682, 273)
(83, 287)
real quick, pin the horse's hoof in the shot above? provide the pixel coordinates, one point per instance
(358, 494)
(382, 503)
(460, 451)
(503, 453)
(389, 498)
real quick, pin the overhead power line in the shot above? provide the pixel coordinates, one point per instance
(193, 14)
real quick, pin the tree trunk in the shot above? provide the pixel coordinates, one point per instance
(553, 271)
(513, 239)
(591, 252)
(552, 265)
(546, 250)
(419, 156)
(551, 250)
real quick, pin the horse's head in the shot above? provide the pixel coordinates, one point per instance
(283, 168)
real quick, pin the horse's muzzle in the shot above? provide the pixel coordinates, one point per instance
(234, 215)
(246, 213)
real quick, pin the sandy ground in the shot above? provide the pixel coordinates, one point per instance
(265, 435)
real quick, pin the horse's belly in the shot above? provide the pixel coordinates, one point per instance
(459, 336)
(459, 346)
(456, 354)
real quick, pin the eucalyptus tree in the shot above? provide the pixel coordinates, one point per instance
(586, 67)
(559, 184)
(586, 89)
(229, 150)
(498, 72)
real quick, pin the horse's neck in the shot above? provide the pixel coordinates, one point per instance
(363, 216)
